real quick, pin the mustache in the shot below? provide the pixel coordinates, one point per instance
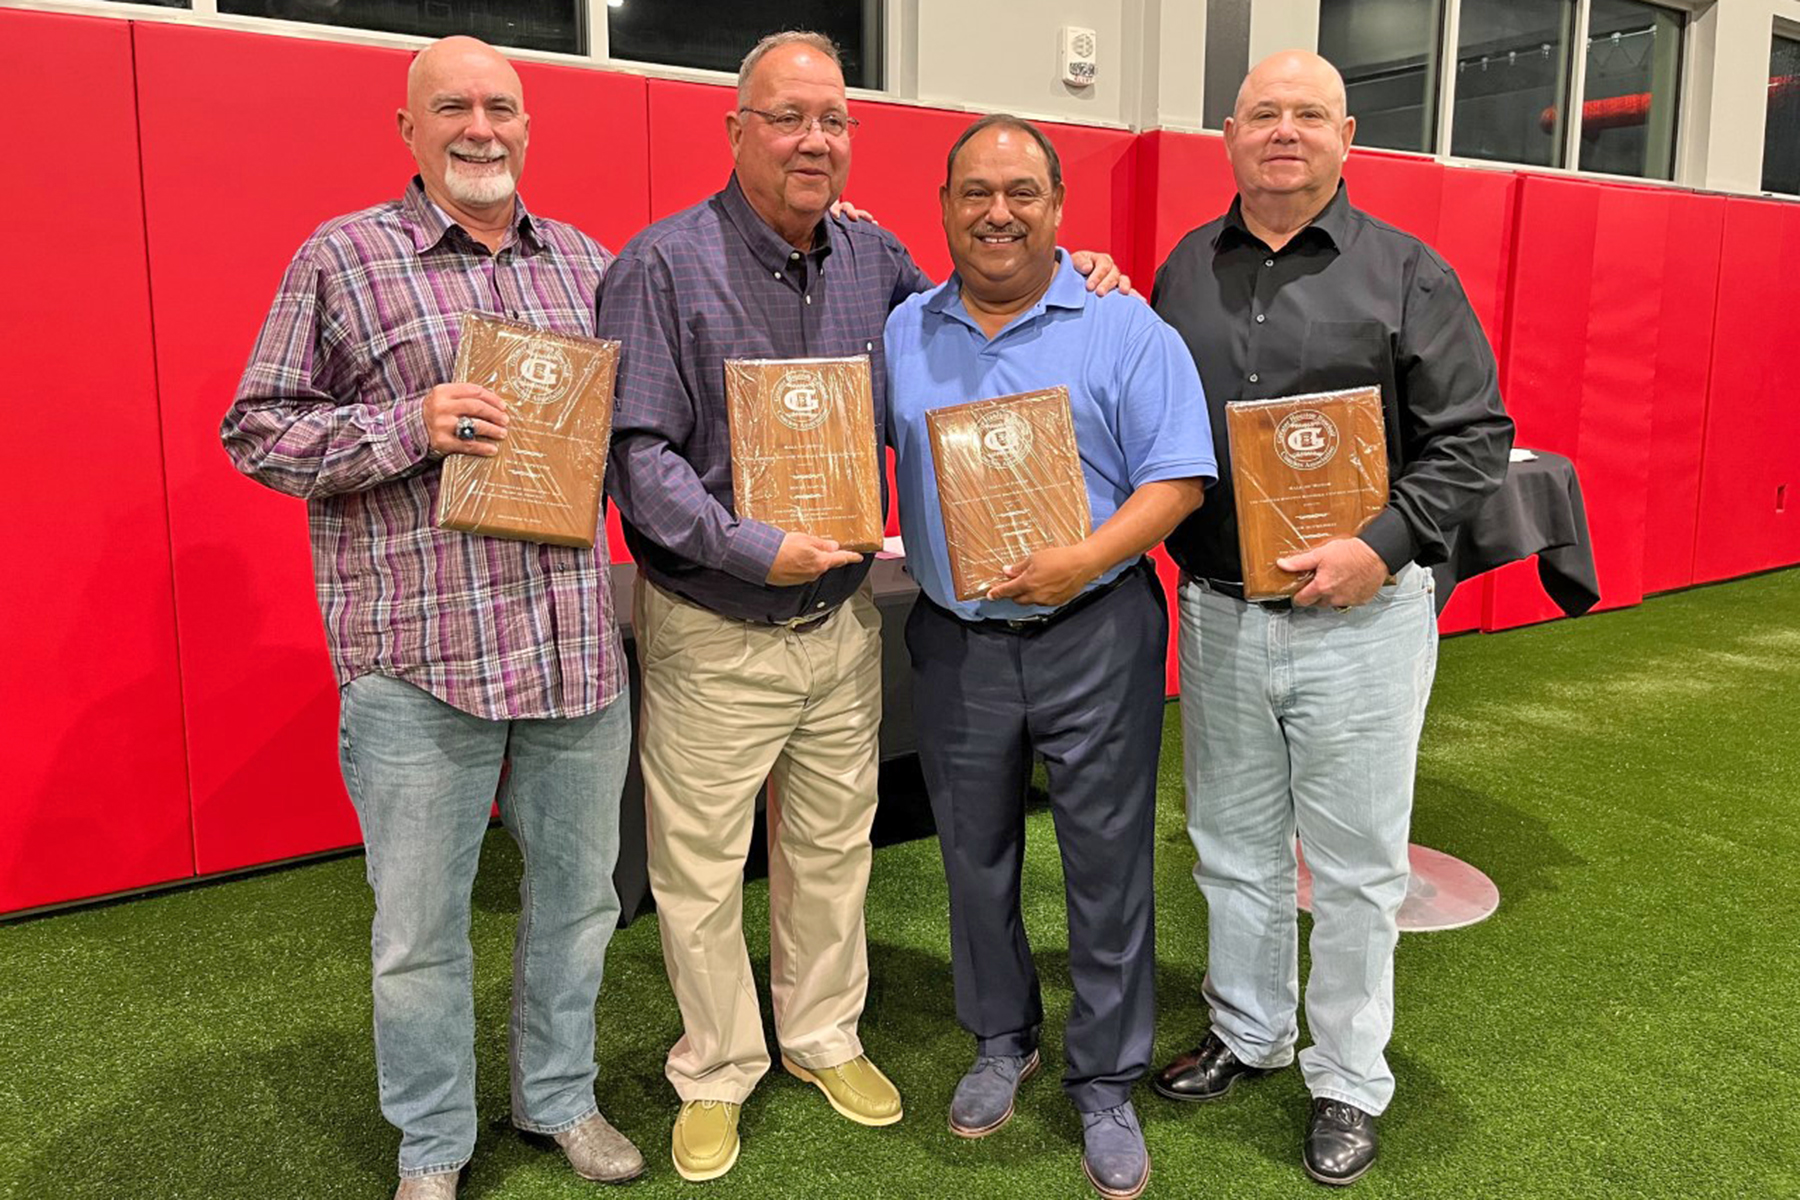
(1000, 231)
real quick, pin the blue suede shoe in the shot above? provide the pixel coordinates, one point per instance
(1114, 1155)
(984, 1099)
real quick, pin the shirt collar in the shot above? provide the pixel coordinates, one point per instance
(428, 224)
(770, 248)
(1068, 289)
(1332, 223)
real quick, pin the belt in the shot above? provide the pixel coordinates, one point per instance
(806, 623)
(1037, 624)
(1235, 591)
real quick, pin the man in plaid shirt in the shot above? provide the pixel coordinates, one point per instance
(453, 653)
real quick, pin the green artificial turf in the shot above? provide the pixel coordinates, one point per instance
(1623, 1027)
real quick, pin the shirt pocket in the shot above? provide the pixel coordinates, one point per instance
(1349, 353)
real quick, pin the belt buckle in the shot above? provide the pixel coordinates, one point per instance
(806, 623)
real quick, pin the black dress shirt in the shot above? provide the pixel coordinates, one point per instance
(1349, 301)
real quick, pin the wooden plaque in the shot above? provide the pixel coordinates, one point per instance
(803, 447)
(1304, 470)
(1009, 482)
(544, 484)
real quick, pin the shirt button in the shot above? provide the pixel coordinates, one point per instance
(809, 299)
(1260, 318)
(1268, 262)
(794, 257)
(820, 604)
(1253, 377)
(778, 274)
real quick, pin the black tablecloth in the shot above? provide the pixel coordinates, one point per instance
(1537, 510)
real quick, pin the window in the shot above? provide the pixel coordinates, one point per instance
(1387, 51)
(1633, 85)
(1512, 80)
(1227, 59)
(523, 24)
(1781, 134)
(716, 34)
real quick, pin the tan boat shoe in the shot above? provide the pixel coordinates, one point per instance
(857, 1089)
(705, 1142)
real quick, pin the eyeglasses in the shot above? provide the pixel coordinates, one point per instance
(790, 123)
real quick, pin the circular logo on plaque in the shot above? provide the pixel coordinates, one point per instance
(1306, 440)
(540, 372)
(1005, 439)
(800, 400)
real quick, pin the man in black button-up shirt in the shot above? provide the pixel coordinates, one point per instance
(1307, 715)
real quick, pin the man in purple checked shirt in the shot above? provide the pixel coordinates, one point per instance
(760, 647)
(452, 652)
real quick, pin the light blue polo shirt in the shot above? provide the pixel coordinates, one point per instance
(1140, 414)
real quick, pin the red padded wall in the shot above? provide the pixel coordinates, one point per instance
(1185, 181)
(1692, 238)
(1607, 353)
(237, 172)
(1749, 516)
(1545, 346)
(96, 794)
(1404, 190)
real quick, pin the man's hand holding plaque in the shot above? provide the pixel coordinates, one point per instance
(1014, 501)
(1308, 472)
(524, 429)
(804, 459)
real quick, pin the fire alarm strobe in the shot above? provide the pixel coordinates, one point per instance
(1079, 47)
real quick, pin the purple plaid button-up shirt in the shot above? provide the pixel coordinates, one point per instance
(710, 283)
(330, 408)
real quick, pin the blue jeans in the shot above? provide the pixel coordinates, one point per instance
(423, 777)
(1306, 719)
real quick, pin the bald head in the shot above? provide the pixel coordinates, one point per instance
(448, 60)
(1288, 138)
(466, 126)
(1296, 67)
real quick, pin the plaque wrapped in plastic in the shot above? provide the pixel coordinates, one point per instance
(1009, 482)
(1305, 469)
(804, 455)
(544, 484)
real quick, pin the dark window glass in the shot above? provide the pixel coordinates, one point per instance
(1512, 80)
(715, 35)
(1387, 51)
(1781, 136)
(1633, 89)
(1227, 58)
(525, 24)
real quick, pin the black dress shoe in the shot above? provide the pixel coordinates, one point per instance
(1206, 1074)
(1340, 1142)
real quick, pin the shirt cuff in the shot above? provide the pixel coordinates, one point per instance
(409, 441)
(1387, 535)
(750, 550)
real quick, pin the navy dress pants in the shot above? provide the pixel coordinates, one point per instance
(1085, 692)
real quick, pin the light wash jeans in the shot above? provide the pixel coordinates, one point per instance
(1305, 719)
(423, 776)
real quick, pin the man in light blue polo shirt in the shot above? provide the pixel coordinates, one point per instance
(1065, 658)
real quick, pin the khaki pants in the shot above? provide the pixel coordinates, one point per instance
(726, 704)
